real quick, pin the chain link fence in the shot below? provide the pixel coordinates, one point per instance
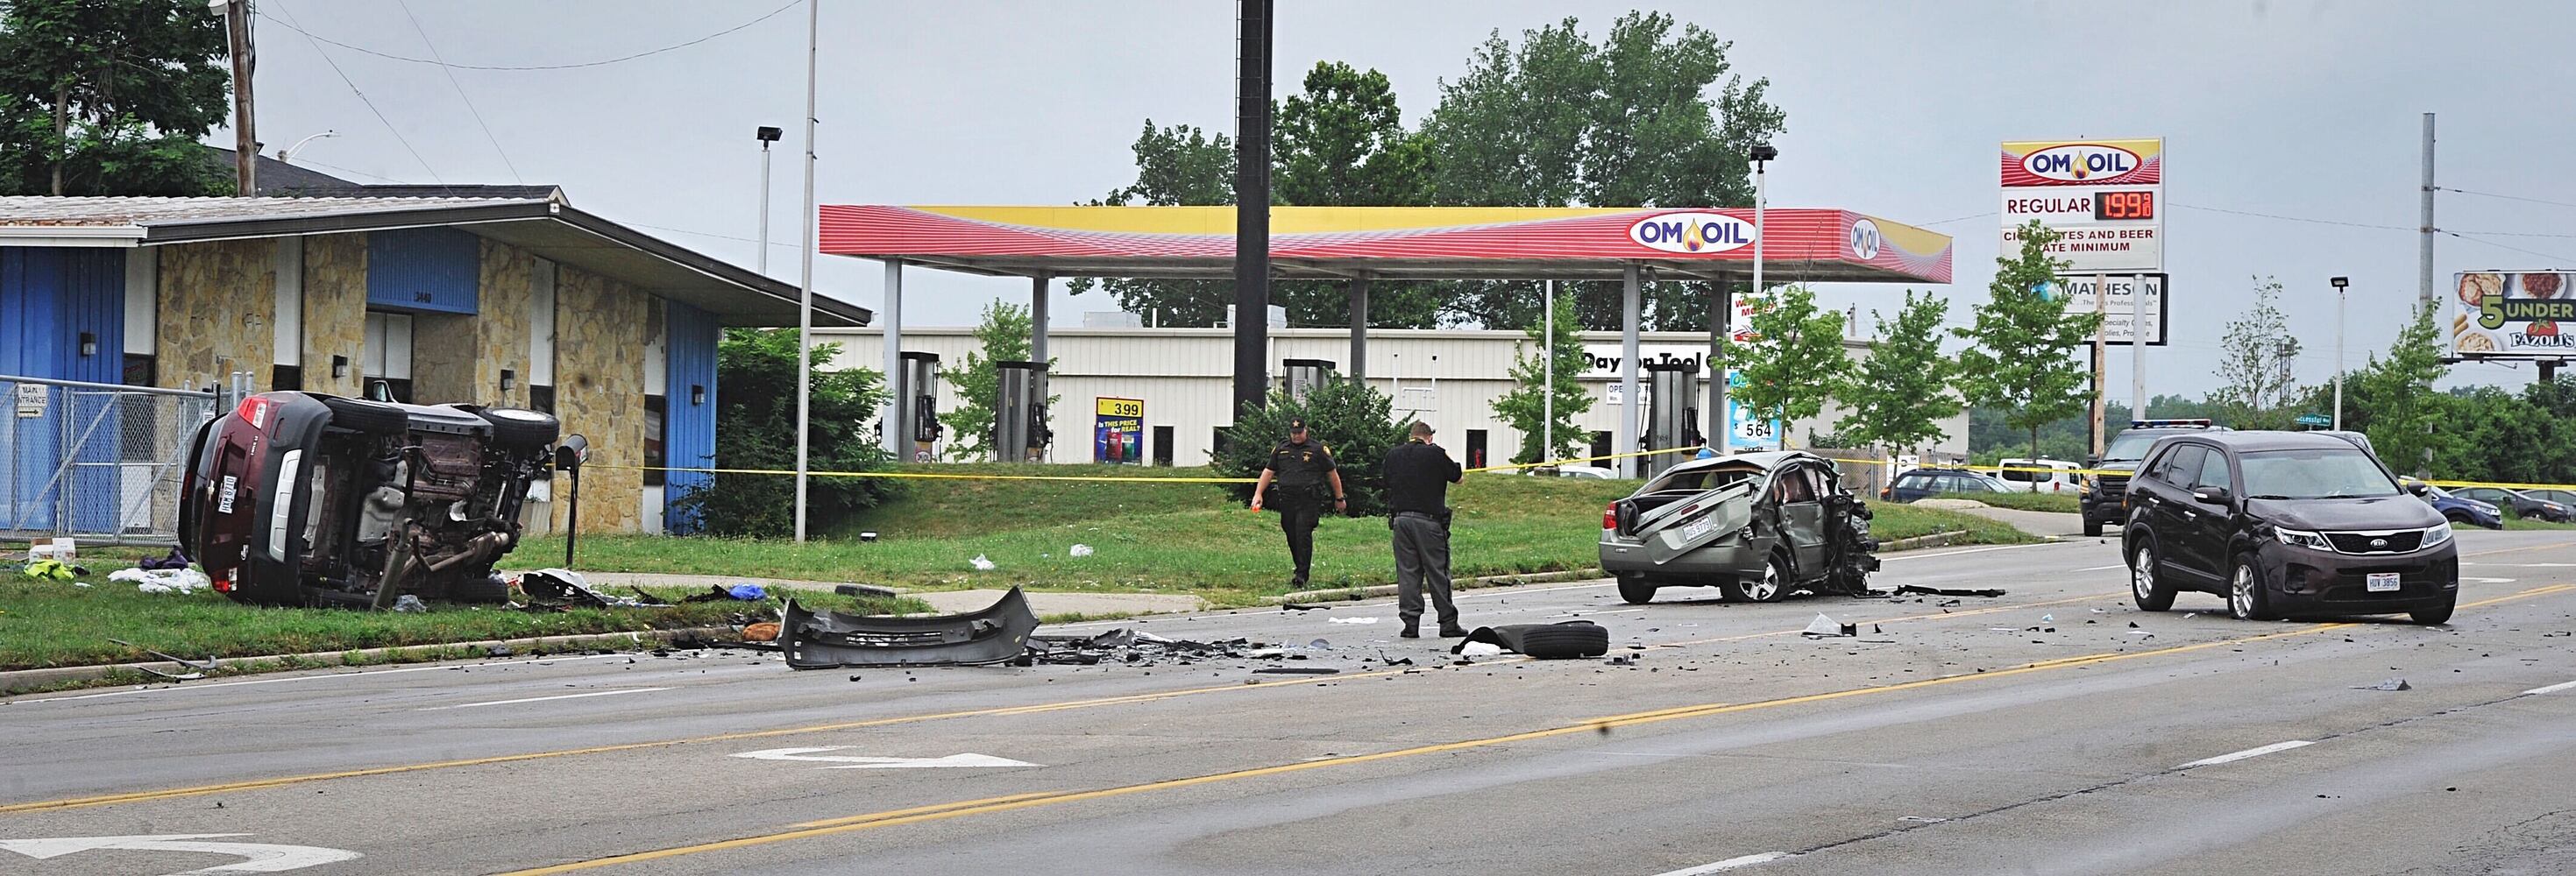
(97, 462)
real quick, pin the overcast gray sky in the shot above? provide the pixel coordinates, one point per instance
(2295, 108)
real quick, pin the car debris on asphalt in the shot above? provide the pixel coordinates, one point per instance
(1578, 638)
(1824, 626)
(828, 639)
(1913, 590)
(2391, 684)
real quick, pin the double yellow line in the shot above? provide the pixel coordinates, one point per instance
(992, 805)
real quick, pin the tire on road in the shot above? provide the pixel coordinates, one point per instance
(1559, 641)
(2150, 591)
(2434, 616)
(1635, 589)
(1771, 587)
(2249, 597)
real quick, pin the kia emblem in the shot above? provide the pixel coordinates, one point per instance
(2378, 542)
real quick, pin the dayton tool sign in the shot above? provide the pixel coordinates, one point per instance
(2105, 196)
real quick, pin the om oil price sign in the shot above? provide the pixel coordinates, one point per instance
(2512, 315)
(1118, 430)
(2105, 197)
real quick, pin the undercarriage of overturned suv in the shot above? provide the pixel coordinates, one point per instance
(297, 498)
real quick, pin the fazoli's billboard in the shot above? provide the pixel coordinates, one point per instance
(2512, 315)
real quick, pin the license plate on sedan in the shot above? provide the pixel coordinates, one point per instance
(1697, 528)
(2381, 582)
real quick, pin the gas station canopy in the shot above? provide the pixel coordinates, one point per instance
(1393, 243)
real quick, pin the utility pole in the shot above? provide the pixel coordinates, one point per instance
(805, 281)
(2424, 233)
(1251, 205)
(245, 129)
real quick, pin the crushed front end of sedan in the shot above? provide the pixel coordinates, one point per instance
(1760, 525)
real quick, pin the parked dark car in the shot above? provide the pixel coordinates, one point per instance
(1925, 483)
(300, 498)
(2456, 509)
(2285, 523)
(2103, 495)
(2523, 504)
(1761, 525)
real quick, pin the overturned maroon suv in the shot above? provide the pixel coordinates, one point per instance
(298, 498)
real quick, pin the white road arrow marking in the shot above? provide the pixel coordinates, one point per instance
(856, 762)
(2466, 579)
(259, 857)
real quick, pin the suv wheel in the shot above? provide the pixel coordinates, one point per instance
(2248, 597)
(2150, 593)
(522, 429)
(1635, 589)
(1773, 584)
(2434, 616)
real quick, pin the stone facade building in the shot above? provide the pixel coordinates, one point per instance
(502, 301)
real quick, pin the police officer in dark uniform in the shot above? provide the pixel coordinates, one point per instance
(1418, 475)
(1303, 471)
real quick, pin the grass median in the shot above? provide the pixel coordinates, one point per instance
(1169, 538)
(52, 623)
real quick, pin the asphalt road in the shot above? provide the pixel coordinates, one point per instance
(2039, 732)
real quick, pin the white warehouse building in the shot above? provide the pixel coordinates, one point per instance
(1183, 377)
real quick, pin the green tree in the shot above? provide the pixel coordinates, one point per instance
(1556, 120)
(108, 97)
(2024, 339)
(756, 429)
(1341, 142)
(1525, 407)
(2254, 360)
(2395, 401)
(1004, 334)
(1901, 393)
(1356, 422)
(1796, 360)
(1178, 166)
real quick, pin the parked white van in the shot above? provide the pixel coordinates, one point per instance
(2023, 475)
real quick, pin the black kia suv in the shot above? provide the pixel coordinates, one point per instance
(2102, 494)
(2285, 523)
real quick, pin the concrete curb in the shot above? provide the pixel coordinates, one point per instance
(1937, 539)
(1348, 594)
(17, 680)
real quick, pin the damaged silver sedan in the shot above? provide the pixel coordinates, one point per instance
(1760, 525)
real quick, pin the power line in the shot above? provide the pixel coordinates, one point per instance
(619, 59)
(2467, 237)
(460, 93)
(2505, 197)
(2292, 218)
(289, 22)
(1956, 219)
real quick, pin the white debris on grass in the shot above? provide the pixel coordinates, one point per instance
(1080, 550)
(981, 564)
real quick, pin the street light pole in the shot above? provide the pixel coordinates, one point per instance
(1547, 399)
(767, 134)
(2339, 284)
(1720, 412)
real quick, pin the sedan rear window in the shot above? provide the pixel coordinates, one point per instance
(2314, 474)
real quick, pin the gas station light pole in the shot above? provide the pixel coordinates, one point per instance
(2339, 284)
(1722, 437)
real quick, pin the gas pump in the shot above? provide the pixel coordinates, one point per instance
(917, 403)
(1301, 376)
(1672, 415)
(1020, 432)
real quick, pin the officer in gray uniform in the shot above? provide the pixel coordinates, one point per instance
(1302, 469)
(1418, 475)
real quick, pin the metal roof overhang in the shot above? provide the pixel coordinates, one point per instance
(561, 234)
(1387, 243)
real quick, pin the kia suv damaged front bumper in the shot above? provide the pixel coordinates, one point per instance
(2311, 581)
